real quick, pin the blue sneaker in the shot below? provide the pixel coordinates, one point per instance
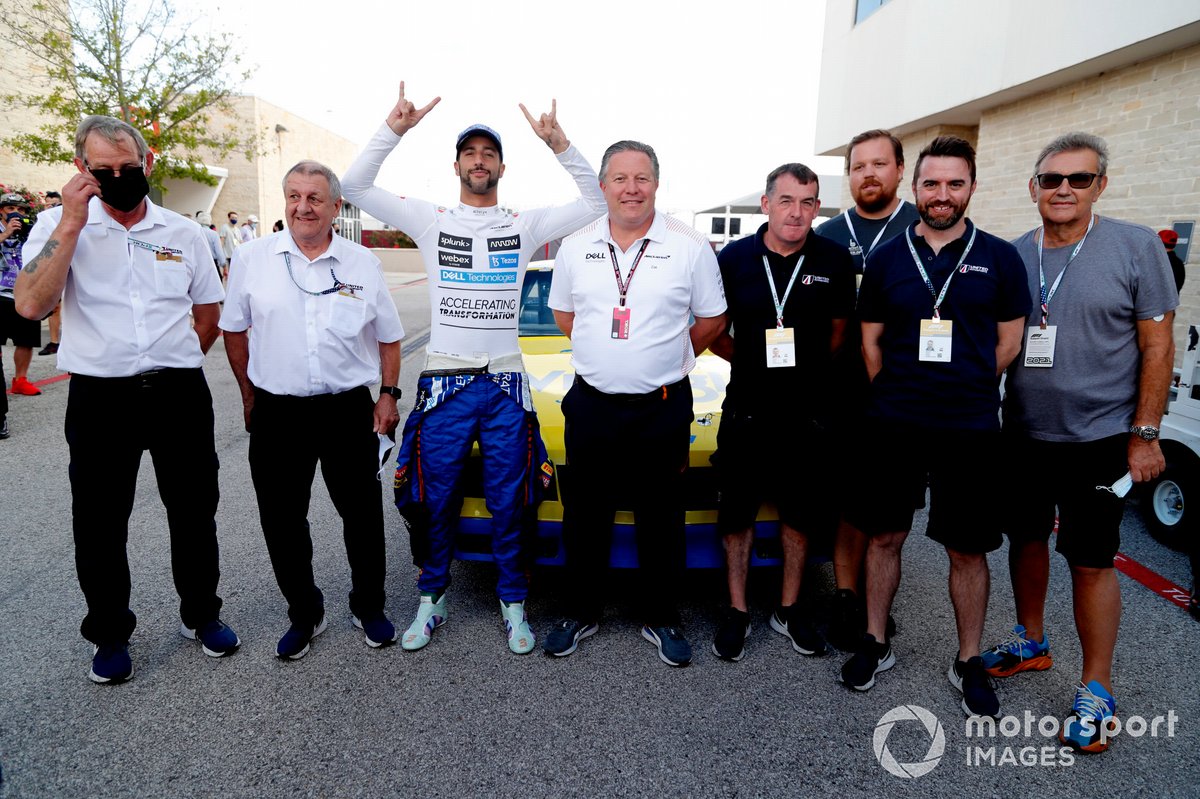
(566, 635)
(111, 664)
(295, 642)
(1092, 721)
(377, 629)
(673, 648)
(1017, 654)
(971, 680)
(216, 638)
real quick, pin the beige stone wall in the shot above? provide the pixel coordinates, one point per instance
(1149, 113)
(254, 187)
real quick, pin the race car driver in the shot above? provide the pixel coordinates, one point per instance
(474, 387)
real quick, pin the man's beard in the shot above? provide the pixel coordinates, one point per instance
(882, 201)
(941, 223)
(475, 186)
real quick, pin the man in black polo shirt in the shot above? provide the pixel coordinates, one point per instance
(789, 295)
(875, 167)
(942, 309)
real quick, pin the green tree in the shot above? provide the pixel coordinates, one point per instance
(134, 60)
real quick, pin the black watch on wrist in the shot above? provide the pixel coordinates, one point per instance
(1146, 432)
(392, 390)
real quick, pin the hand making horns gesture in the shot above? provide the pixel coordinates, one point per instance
(405, 116)
(547, 128)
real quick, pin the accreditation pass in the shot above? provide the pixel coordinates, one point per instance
(1039, 346)
(781, 347)
(936, 337)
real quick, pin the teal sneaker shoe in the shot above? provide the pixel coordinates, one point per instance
(520, 638)
(430, 616)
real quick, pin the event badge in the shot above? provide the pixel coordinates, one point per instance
(1039, 346)
(620, 327)
(935, 340)
(8, 279)
(168, 255)
(781, 347)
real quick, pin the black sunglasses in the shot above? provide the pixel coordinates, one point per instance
(1077, 180)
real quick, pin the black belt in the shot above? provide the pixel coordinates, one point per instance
(466, 370)
(147, 379)
(660, 393)
(309, 398)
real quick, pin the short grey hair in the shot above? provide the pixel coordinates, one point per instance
(316, 168)
(111, 130)
(626, 146)
(1071, 142)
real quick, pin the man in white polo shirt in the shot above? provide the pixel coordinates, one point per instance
(132, 277)
(323, 326)
(624, 288)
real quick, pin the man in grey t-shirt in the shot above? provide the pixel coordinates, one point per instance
(1085, 397)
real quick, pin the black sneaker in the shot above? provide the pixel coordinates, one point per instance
(673, 648)
(49, 349)
(111, 664)
(848, 620)
(3, 429)
(566, 635)
(978, 695)
(730, 640)
(295, 642)
(871, 658)
(792, 623)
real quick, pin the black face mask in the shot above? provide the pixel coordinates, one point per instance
(125, 191)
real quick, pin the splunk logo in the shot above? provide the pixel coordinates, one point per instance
(907, 714)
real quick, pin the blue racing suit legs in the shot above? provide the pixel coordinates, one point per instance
(479, 410)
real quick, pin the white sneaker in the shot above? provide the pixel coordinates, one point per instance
(520, 638)
(430, 616)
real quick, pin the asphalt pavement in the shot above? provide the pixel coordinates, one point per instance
(465, 718)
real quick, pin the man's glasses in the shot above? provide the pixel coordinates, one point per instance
(107, 173)
(1077, 180)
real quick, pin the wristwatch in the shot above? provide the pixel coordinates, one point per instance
(397, 393)
(1146, 432)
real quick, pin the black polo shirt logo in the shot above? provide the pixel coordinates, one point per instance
(808, 280)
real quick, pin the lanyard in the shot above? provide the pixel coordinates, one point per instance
(938, 296)
(623, 288)
(1046, 296)
(155, 248)
(775, 295)
(337, 284)
(854, 236)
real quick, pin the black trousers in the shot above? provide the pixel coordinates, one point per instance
(109, 423)
(626, 453)
(288, 436)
